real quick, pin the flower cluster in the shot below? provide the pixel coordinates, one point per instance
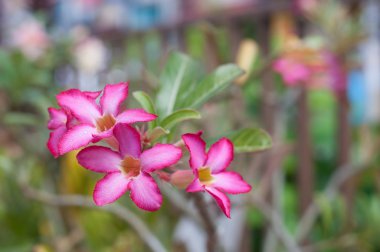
(129, 163)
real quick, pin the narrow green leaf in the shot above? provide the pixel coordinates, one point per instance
(145, 101)
(179, 116)
(178, 76)
(251, 140)
(147, 104)
(210, 86)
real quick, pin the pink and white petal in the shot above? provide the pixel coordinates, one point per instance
(135, 115)
(195, 186)
(129, 140)
(99, 159)
(81, 106)
(101, 135)
(220, 155)
(197, 149)
(230, 182)
(76, 137)
(159, 157)
(58, 118)
(110, 188)
(113, 96)
(221, 199)
(92, 94)
(55, 137)
(145, 192)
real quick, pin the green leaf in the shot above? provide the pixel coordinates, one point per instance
(147, 104)
(251, 140)
(145, 101)
(178, 76)
(179, 116)
(210, 86)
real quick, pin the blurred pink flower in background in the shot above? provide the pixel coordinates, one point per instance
(305, 5)
(336, 72)
(31, 38)
(292, 72)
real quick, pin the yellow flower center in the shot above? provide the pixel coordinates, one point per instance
(204, 175)
(105, 123)
(130, 167)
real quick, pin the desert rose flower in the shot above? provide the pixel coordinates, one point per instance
(96, 121)
(31, 38)
(57, 125)
(210, 170)
(129, 168)
(60, 121)
(292, 72)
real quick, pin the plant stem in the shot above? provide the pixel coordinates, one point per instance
(212, 238)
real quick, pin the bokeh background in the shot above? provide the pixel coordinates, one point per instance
(312, 82)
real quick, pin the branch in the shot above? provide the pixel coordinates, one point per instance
(340, 176)
(82, 201)
(212, 239)
(277, 224)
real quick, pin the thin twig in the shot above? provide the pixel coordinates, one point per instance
(277, 224)
(340, 176)
(343, 242)
(81, 201)
(212, 239)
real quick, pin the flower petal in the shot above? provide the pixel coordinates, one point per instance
(195, 186)
(99, 159)
(220, 155)
(230, 182)
(113, 96)
(145, 192)
(197, 149)
(55, 137)
(110, 188)
(221, 199)
(92, 94)
(83, 107)
(76, 137)
(129, 140)
(101, 135)
(58, 118)
(135, 115)
(159, 157)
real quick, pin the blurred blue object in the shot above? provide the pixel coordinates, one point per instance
(357, 96)
(143, 15)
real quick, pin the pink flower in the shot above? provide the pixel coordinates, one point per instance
(129, 168)
(94, 122)
(60, 121)
(292, 72)
(57, 123)
(210, 170)
(336, 72)
(31, 39)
